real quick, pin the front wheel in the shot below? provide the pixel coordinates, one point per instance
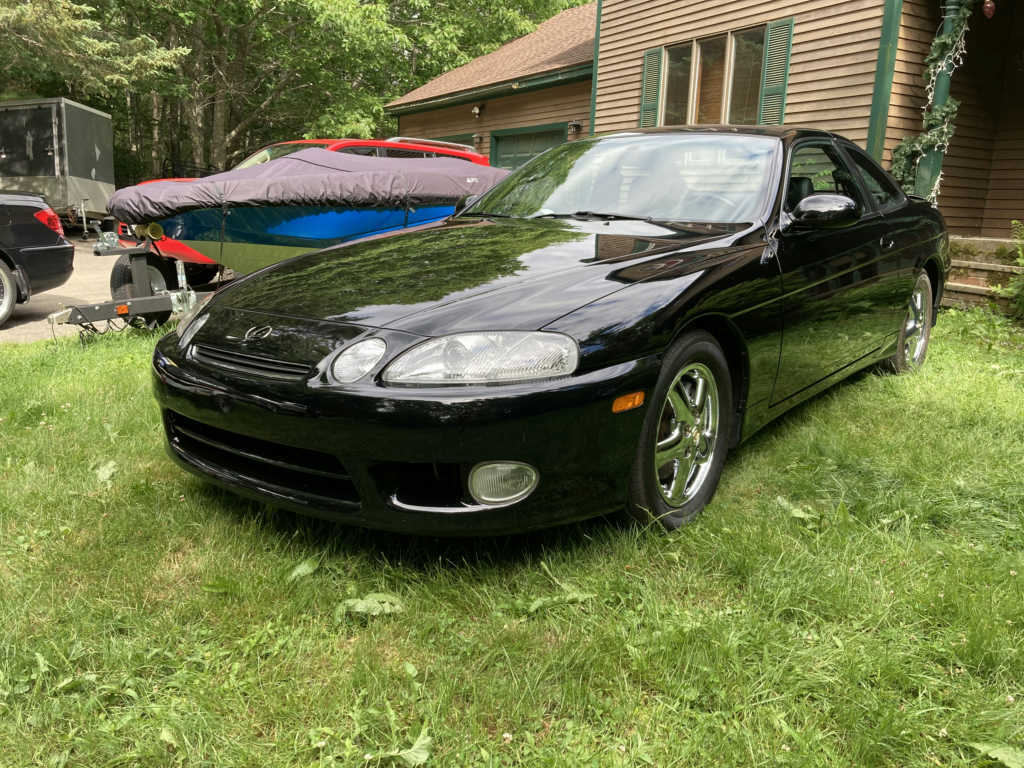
(685, 436)
(916, 331)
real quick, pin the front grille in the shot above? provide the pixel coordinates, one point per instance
(298, 472)
(253, 365)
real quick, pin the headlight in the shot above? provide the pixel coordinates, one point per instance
(190, 322)
(485, 358)
(358, 360)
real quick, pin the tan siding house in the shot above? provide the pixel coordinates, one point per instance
(982, 186)
(852, 66)
(530, 94)
(555, 106)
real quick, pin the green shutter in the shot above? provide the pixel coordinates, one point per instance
(775, 73)
(649, 99)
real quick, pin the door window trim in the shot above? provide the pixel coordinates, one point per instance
(865, 202)
(848, 149)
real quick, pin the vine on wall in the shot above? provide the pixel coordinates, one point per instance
(945, 55)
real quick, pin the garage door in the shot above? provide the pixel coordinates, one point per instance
(513, 149)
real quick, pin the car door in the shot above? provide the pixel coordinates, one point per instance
(835, 296)
(901, 234)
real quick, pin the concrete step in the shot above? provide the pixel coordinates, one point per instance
(959, 294)
(982, 273)
(998, 250)
(988, 266)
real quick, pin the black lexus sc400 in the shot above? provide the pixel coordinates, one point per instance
(593, 334)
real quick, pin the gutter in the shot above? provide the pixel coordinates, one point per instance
(885, 69)
(509, 87)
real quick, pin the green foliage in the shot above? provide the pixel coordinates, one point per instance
(197, 84)
(851, 597)
(938, 122)
(69, 46)
(939, 127)
(1014, 289)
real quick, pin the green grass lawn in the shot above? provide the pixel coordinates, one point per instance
(852, 596)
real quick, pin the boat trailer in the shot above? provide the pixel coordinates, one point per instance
(142, 308)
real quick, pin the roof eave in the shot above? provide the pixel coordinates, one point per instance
(547, 79)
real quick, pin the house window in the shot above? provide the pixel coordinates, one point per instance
(677, 84)
(739, 78)
(747, 65)
(710, 80)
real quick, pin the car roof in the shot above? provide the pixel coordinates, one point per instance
(408, 144)
(14, 196)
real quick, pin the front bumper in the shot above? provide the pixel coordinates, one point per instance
(397, 459)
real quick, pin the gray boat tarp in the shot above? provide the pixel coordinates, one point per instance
(312, 177)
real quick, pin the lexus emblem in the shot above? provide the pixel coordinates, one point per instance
(258, 333)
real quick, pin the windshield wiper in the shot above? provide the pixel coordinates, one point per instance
(678, 226)
(592, 215)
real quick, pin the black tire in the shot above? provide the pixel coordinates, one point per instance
(8, 293)
(695, 356)
(162, 276)
(916, 329)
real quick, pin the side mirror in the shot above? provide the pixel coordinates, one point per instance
(464, 202)
(825, 212)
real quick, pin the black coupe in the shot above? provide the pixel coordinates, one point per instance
(593, 334)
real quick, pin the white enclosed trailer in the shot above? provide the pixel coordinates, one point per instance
(59, 149)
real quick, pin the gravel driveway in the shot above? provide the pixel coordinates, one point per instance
(90, 282)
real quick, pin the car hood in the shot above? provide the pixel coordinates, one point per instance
(471, 274)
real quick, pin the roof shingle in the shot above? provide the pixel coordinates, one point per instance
(565, 40)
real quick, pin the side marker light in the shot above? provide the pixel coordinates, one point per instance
(627, 402)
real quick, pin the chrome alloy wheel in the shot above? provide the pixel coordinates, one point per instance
(917, 326)
(687, 434)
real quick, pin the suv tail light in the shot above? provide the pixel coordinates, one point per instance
(47, 217)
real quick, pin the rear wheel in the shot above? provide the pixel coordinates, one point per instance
(8, 293)
(685, 437)
(916, 331)
(162, 277)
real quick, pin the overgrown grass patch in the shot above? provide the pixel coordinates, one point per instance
(851, 596)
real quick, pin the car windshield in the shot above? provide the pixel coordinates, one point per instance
(715, 178)
(275, 151)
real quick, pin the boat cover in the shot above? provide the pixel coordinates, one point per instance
(312, 177)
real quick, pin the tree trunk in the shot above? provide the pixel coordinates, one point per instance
(221, 89)
(194, 107)
(155, 153)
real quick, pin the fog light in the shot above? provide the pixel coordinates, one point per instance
(502, 482)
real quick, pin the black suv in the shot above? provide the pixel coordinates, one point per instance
(34, 256)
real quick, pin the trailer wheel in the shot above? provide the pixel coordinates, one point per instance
(162, 277)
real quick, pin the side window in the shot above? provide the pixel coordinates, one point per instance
(814, 169)
(368, 151)
(403, 153)
(878, 184)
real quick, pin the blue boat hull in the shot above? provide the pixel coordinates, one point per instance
(247, 239)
